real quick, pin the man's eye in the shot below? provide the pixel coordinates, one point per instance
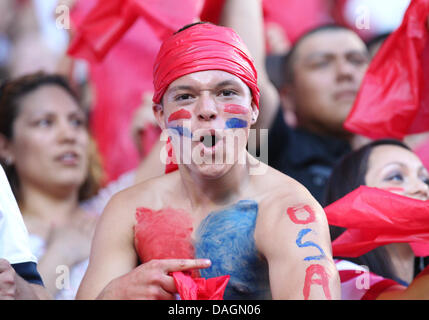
(320, 64)
(227, 93)
(182, 97)
(358, 60)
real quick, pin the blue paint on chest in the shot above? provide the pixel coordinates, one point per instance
(226, 237)
(234, 123)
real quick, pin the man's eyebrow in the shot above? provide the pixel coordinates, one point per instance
(319, 54)
(178, 88)
(227, 83)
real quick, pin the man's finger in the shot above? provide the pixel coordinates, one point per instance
(4, 265)
(171, 265)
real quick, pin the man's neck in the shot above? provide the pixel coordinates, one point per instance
(226, 189)
(340, 134)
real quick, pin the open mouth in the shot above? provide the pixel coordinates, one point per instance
(209, 140)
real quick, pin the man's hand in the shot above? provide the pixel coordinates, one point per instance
(151, 280)
(8, 287)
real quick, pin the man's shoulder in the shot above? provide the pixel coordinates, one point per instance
(284, 194)
(148, 193)
(278, 186)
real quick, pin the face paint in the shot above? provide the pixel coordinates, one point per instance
(235, 123)
(226, 238)
(322, 279)
(163, 234)
(394, 189)
(182, 114)
(181, 131)
(299, 243)
(305, 210)
(236, 109)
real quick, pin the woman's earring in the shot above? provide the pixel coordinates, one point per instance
(8, 161)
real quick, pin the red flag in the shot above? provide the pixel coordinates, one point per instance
(375, 217)
(199, 288)
(394, 97)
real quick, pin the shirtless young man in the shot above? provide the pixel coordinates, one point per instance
(264, 230)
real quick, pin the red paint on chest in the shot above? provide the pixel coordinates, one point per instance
(179, 115)
(236, 109)
(163, 234)
(306, 210)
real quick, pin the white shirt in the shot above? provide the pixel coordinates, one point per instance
(14, 241)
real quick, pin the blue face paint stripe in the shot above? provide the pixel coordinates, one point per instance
(234, 123)
(181, 131)
(299, 243)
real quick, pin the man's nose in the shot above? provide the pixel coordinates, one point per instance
(345, 70)
(207, 108)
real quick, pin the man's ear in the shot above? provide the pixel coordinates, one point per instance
(288, 106)
(6, 154)
(158, 112)
(255, 113)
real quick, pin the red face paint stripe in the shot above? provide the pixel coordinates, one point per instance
(236, 109)
(393, 189)
(322, 280)
(180, 115)
(293, 211)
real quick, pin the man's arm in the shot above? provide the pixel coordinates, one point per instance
(292, 233)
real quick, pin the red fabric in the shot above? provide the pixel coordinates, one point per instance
(121, 63)
(199, 48)
(422, 152)
(375, 217)
(296, 16)
(199, 288)
(212, 11)
(425, 272)
(394, 97)
(171, 164)
(108, 21)
(377, 289)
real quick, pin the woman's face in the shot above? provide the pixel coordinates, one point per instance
(49, 146)
(398, 170)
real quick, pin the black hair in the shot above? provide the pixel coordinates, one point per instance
(347, 176)
(191, 25)
(289, 59)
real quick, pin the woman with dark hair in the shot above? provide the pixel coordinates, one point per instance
(390, 165)
(45, 150)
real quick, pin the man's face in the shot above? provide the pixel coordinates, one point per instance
(328, 68)
(203, 112)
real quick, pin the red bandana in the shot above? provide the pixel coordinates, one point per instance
(199, 48)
